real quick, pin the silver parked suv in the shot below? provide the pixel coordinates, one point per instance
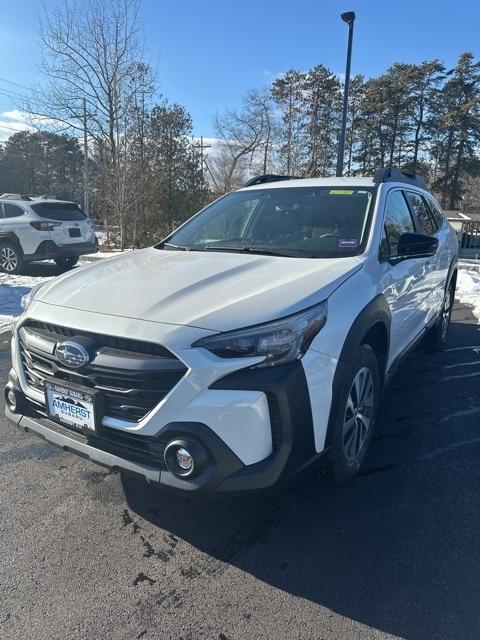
(40, 229)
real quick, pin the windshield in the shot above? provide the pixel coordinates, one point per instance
(59, 210)
(312, 222)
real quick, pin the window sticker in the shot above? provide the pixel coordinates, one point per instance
(341, 192)
(348, 243)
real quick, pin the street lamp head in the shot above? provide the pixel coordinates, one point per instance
(348, 17)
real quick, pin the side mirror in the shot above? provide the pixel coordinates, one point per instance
(415, 245)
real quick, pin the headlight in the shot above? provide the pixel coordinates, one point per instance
(280, 342)
(27, 299)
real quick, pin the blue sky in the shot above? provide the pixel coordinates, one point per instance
(210, 52)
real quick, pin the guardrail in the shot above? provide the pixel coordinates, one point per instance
(468, 233)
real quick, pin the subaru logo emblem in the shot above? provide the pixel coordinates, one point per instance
(72, 354)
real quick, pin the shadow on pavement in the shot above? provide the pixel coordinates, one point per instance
(398, 548)
(42, 269)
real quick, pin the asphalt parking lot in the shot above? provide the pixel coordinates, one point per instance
(87, 554)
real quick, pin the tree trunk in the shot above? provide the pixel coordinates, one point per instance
(447, 167)
(454, 195)
(418, 128)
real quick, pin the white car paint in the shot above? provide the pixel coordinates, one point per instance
(217, 291)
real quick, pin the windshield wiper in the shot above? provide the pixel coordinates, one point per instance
(246, 249)
(175, 247)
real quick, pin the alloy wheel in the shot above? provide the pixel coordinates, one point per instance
(358, 414)
(8, 259)
(447, 312)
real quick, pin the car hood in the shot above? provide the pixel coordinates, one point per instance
(210, 290)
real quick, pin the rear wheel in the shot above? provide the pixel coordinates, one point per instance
(356, 411)
(11, 260)
(438, 334)
(67, 263)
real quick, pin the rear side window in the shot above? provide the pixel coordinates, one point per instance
(398, 220)
(421, 213)
(12, 210)
(437, 213)
(59, 210)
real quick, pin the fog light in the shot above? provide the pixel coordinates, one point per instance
(12, 399)
(184, 459)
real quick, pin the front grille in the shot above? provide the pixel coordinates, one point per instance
(133, 376)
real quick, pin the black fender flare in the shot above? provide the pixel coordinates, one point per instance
(451, 271)
(11, 237)
(376, 312)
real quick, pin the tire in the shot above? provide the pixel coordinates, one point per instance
(66, 263)
(438, 334)
(354, 418)
(11, 258)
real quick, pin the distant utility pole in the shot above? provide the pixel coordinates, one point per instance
(202, 148)
(85, 159)
(349, 18)
(211, 175)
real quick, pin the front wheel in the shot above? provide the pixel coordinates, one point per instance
(11, 260)
(438, 334)
(66, 263)
(355, 414)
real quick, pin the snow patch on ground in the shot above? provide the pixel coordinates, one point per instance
(468, 289)
(12, 288)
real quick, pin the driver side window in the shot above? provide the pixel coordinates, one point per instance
(398, 220)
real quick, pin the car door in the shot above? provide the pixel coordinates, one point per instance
(447, 248)
(432, 297)
(402, 283)
(15, 222)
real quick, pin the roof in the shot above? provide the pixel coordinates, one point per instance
(316, 182)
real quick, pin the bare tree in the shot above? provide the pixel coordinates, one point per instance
(93, 50)
(243, 134)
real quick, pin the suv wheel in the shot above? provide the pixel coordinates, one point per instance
(355, 416)
(437, 336)
(67, 263)
(11, 260)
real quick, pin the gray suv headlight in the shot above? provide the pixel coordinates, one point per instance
(280, 342)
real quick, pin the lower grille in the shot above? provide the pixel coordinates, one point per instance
(133, 376)
(129, 446)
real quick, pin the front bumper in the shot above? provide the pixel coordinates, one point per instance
(49, 250)
(292, 437)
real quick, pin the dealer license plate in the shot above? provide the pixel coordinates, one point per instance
(72, 406)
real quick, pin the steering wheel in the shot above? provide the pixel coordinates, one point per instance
(327, 235)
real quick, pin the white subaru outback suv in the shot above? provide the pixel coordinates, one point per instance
(252, 342)
(40, 229)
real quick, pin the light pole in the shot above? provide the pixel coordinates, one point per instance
(349, 18)
(85, 160)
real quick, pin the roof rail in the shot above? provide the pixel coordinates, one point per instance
(14, 196)
(393, 174)
(268, 177)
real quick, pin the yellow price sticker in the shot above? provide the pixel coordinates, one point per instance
(341, 192)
